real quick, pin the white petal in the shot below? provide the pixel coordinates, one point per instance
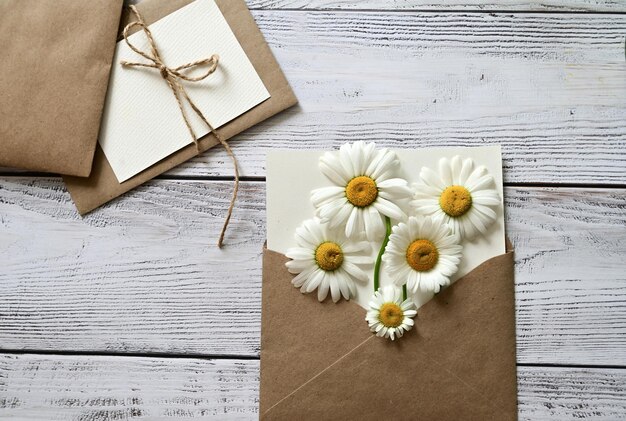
(324, 194)
(414, 281)
(297, 266)
(322, 290)
(414, 229)
(367, 223)
(477, 221)
(426, 229)
(346, 161)
(482, 183)
(356, 156)
(455, 169)
(389, 209)
(392, 182)
(377, 227)
(334, 172)
(358, 246)
(446, 241)
(468, 228)
(388, 162)
(299, 280)
(351, 225)
(335, 292)
(426, 191)
(475, 175)
(487, 212)
(341, 215)
(315, 230)
(313, 281)
(343, 287)
(352, 288)
(354, 271)
(466, 169)
(431, 178)
(446, 267)
(358, 260)
(486, 197)
(334, 161)
(300, 253)
(369, 152)
(445, 171)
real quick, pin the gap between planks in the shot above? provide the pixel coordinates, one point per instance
(261, 179)
(492, 12)
(105, 388)
(85, 293)
(165, 355)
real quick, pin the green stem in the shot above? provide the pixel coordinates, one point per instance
(404, 294)
(380, 254)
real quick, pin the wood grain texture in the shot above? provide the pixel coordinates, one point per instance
(453, 5)
(95, 388)
(142, 274)
(549, 88)
(561, 393)
(121, 388)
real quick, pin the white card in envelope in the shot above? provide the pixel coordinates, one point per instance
(142, 123)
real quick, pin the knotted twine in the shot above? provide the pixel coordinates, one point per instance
(173, 76)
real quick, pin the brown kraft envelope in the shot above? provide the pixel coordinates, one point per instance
(102, 185)
(320, 361)
(54, 70)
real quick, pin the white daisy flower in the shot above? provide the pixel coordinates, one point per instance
(422, 253)
(364, 189)
(464, 196)
(388, 315)
(326, 260)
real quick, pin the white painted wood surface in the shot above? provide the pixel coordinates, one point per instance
(143, 274)
(452, 5)
(550, 88)
(88, 388)
(142, 281)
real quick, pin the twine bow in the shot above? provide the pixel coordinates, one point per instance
(173, 76)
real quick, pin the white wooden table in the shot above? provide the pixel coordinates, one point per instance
(132, 313)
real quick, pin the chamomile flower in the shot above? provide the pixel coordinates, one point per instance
(423, 254)
(388, 315)
(365, 189)
(327, 261)
(464, 196)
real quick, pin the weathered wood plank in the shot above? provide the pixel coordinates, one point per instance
(407, 5)
(143, 274)
(551, 393)
(53, 388)
(570, 274)
(549, 88)
(95, 388)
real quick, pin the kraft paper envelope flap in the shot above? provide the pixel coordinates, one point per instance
(56, 59)
(102, 185)
(319, 359)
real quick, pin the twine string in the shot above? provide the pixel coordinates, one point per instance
(173, 77)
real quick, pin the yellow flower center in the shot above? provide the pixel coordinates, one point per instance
(455, 200)
(329, 256)
(422, 255)
(361, 191)
(391, 315)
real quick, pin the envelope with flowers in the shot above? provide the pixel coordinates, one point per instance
(388, 287)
